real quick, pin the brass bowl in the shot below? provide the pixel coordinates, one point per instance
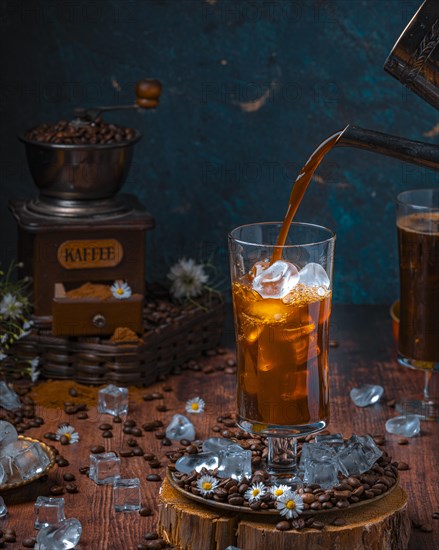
(21, 482)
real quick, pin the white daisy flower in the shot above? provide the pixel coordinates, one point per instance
(195, 405)
(255, 492)
(10, 307)
(290, 504)
(278, 490)
(121, 290)
(188, 279)
(207, 484)
(69, 432)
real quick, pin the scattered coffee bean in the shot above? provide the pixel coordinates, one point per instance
(208, 369)
(338, 522)
(126, 453)
(107, 434)
(64, 440)
(402, 466)
(51, 436)
(166, 442)
(104, 427)
(157, 395)
(145, 511)
(403, 441)
(149, 456)
(426, 528)
(318, 525)
(168, 388)
(391, 403)
(82, 415)
(97, 449)
(153, 477)
(11, 538)
(84, 470)
(71, 488)
(283, 526)
(155, 464)
(137, 451)
(29, 543)
(129, 423)
(151, 535)
(56, 490)
(137, 432)
(435, 515)
(62, 462)
(162, 408)
(69, 477)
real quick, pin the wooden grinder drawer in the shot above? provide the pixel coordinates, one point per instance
(93, 316)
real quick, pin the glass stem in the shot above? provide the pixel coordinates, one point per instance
(282, 459)
(427, 376)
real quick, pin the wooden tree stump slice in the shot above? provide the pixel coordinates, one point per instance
(383, 525)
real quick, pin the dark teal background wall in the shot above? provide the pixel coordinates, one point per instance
(250, 87)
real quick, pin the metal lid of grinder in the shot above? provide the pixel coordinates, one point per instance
(414, 60)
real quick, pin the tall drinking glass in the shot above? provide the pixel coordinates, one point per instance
(417, 216)
(281, 313)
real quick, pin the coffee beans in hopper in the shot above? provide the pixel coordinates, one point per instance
(97, 132)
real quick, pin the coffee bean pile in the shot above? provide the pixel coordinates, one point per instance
(96, 132)
(350, 490)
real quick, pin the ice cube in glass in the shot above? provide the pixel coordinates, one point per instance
(113, 400)
(48, 510)
(104, 468)
(127, 495)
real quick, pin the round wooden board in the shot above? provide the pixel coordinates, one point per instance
(191, 526)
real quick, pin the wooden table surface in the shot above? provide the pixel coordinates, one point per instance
(366, 354)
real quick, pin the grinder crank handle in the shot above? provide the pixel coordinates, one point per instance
(147, 90)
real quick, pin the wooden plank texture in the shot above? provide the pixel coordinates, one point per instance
(365, 354)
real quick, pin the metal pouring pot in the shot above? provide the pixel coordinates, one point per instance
(414, 61)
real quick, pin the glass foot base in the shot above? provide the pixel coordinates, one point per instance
(428, 410)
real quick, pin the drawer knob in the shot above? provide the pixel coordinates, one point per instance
(99, 320)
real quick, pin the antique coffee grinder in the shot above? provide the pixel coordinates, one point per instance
(79, 230)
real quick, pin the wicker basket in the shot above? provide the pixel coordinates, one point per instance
(173, 334)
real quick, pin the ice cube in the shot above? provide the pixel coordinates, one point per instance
(315, 451)
(9, 400)
(233, 548)
(60, 536)
(314, 275)
(31, 461)
(259, 267)
(3, 475)
(323, 471)
(48, 510)
(113, 400)
(216, 444)
(8, 434)
(126, 495)
(235, 463)
(373, 452)
(333, 440)
(354, 459)
(3, 508)
(277, 280)
(6, 463)
(188, 463)
(366, 395)
(406, 426)
(12, 449)
(179, 428)
(104, 468)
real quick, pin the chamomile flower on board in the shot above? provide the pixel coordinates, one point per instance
(207, 484)
(195, 405)
(68, 434)
(290, 504)
(255, 492)
(121, 290)
(188, 279)
(278, 490)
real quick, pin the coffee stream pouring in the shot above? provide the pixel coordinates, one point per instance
(414, 61)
